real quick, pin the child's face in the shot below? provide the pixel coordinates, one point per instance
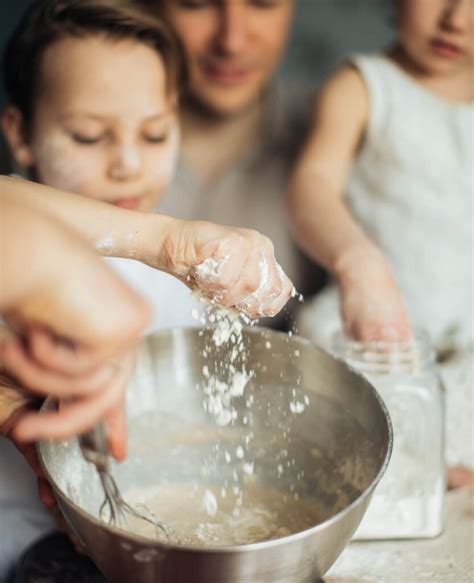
(438, 34)
(103, 125)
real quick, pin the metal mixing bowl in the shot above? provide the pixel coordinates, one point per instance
(339, 447)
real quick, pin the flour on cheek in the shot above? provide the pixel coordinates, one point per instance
(59, 164)
(164, 168)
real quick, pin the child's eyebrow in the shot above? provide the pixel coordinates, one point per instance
(102, 118)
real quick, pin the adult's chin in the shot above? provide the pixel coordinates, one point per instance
(224, 101)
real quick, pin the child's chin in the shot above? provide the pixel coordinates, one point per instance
(147, 206)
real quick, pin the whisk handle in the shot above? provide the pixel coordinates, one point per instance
(94, 447)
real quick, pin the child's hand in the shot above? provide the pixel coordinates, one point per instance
(236, 267)
(371, 305)
(460, 477)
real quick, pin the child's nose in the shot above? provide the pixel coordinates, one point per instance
(126, 163)
(457, 14)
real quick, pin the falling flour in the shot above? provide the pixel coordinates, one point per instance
(230, 377)
(238, 511)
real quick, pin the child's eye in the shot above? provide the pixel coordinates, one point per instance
(190, 4)
(196, 4)
(265, 3)
(87, 140)
(156, 139)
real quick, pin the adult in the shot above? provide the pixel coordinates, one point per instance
(46, 298)
(241, 131)
(61, 337)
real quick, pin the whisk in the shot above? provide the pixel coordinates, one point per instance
(94, 448)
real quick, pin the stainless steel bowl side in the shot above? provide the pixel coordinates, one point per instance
(172, 360)
(302, 560)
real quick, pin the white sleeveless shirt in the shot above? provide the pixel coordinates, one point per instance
(412, 188)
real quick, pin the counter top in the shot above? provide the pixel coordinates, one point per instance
(446, 559)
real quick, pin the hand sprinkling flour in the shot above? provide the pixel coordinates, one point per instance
(236, 268)
(210, 274)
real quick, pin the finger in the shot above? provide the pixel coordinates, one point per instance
(46, 494)
(395, 333)
(29, 374)
(270, 292)
(52, 352)
(116, 427)
(279, 301)
(380, 329)
(116, 420)
(242, 293)
(263, 280)
(459, 477)
(221, 270)
(76, 417)
(362, 331)
(274, 288)
(116, 423)
(73, 418)
(217, 275)
(66, 357)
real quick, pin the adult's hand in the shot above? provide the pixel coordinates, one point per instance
(74, 323)
(83, 400)
(14, 403)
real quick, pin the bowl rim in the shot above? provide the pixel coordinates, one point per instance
(238, 548)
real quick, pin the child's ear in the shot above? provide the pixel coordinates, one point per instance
(14, 130)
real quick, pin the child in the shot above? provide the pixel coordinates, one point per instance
(93, 87)
(93, 111)
(393, 133)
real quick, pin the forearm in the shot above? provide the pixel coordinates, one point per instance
(177, 247)
(323, 225)
(50, 277)
(113, 231)
(19, 272)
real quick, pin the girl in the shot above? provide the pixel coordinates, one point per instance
(393, 133)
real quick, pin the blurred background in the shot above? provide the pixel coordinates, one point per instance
(324, 32)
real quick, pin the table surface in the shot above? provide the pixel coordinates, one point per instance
(446, 559)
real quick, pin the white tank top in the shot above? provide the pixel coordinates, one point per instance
(412, 189)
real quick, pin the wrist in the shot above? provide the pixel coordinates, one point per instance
(356, 259)
(149, 238)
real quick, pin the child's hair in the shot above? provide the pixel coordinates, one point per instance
(48, 21)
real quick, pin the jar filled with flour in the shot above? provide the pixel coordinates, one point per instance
(408, 502)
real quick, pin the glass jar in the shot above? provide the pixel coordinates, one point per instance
(408, 502)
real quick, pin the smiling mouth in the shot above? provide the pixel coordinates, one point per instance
(227, 75)
(446, 49)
